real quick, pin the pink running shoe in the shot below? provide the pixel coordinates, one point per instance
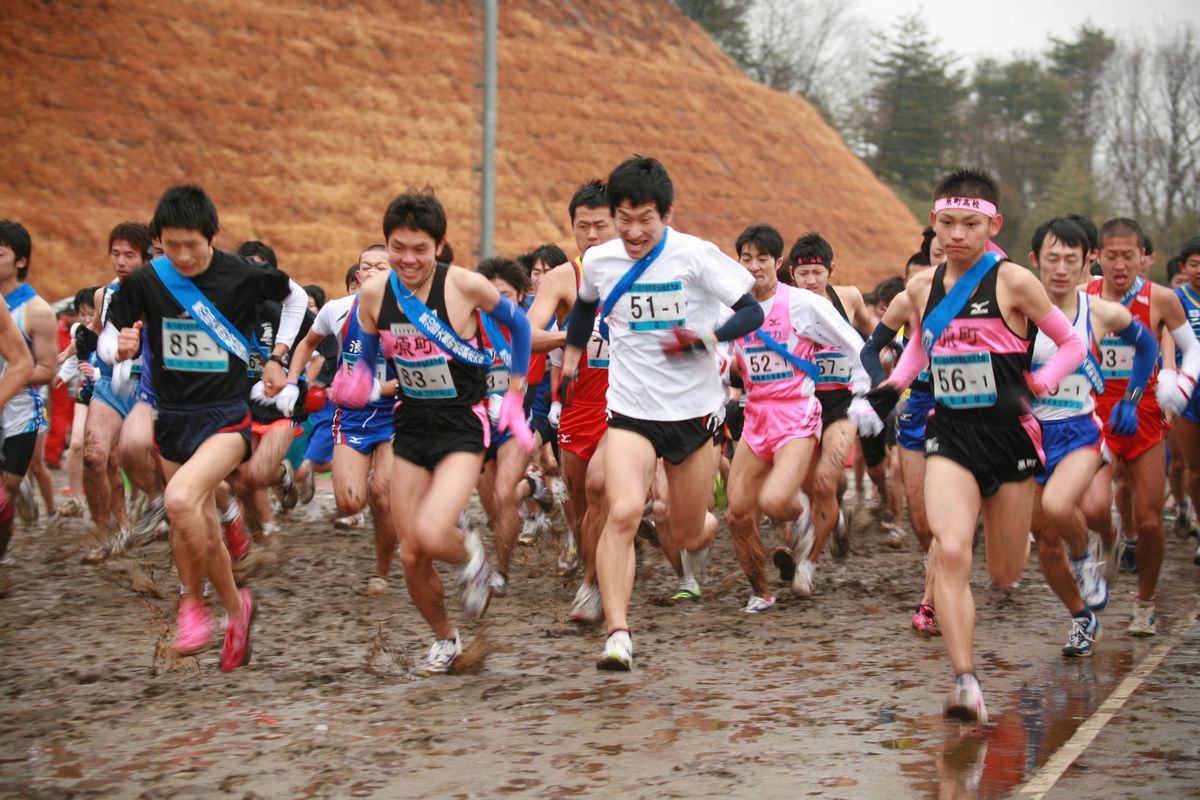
(235, 534)
(193, 627)
(236, 651)
(925, 621)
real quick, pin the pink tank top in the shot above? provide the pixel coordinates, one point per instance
(768, 378)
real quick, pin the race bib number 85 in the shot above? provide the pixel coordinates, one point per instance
(188, 348)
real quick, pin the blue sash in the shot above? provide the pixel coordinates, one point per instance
(621, 288)
(1132, 293)
(807, 367)
(19, 296)
(944, 312)
(500, 345)
(433, 329)
(1090, 366)
(201, 310)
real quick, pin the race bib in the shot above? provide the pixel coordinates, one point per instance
(964, 381)
(834, 368)
(597, 352)
(350, 359)
(188, 348)
(766, 366)
(1116, 358)
(426, 379)
(656, 306)
(497, 379)
(1071, 394)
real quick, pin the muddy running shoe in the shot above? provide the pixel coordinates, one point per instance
(1185, 521)
(234, 530)
(352, 521)
(1085, 632)
(540, 494)
(924, 621)
(193, 627)
(966, 701)
(1129, 556)
(441, 657)
(758, 605)
(588, 606)
(532, 527)
(270, 529)
(499, 585)
(25, 505)
(475, 579)
(306, 488)
(618, 652)
(568, 557)
(288, 494)
(1143, 620)
(558, 488)
(895, 537)
(1090, 577)
(785, 562)
(839, 542)
(376, 586)
(146, 528)
(802, 581)
(689, 590)
(121, 543)
(70, 508)
(237, 651)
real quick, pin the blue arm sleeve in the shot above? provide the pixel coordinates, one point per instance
(880, 338)
(513, 318)
(747, 317)
(1145, 356)
(368, 347)
(581, 322)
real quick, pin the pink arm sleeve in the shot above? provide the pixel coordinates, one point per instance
(912, 361)
(1071, 352)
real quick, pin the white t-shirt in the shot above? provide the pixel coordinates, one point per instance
(688, 284)
(331, 319)
(815, 318)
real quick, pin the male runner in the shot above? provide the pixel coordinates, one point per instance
(16, 365)
(982, 445)
(1142, 455)
(583, 423)
(1187, 426)
(661, 292)
(362, 437)
(783, 416)
(1071, 433)
(427, 316)
(197, 307)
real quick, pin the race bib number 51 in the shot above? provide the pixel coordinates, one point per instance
(188, 348)
(656, 306)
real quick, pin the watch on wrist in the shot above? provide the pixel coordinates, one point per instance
(280, 360)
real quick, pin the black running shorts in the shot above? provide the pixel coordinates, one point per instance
(994, 454)
(835, 405)
(675, 440)
(425, 434)
(180, 430)
(18, 452)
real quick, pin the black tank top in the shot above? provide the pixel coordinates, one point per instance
(427, 374)
(837, 302)
(964, 385)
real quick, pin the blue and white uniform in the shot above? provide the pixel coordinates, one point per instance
(104, 391)
(363, 429)
(1191, 308)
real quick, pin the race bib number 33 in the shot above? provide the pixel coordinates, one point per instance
(656, 306)
(188, 348)
(964, 381)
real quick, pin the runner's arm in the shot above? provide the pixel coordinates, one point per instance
(42, 327)
(1114, 317)
(821, 322)
(291, 316)
(302, 353)
(17, 356)
(558, 286)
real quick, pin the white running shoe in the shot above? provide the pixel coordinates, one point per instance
(475, 579)
(1090, 577)
(568, 558)
(802, 581)
(588, 606)
(352, 521)
(895, 537)
(1143, 620)
(618, 652)
(441, 656)
(145, 530)
(839, 542)
(376, 586)
(758, 605)
(966, 701)
(270, 529)
(499, 585)
(531, 527)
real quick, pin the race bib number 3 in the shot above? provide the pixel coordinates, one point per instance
(425, 379)
(497, 379)
(964, 381)
(188, 348)
(656, 306)
(1116, 358)
(766, 366)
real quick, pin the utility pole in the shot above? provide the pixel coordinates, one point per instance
(487, 222)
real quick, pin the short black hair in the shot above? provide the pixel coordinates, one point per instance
(550, 254)
(418, 210)
(351, 275)
(917, 259)
(593, 194)
(641, 180)
(84, 297)
(1089, 227)
(507, 270)
(764, 238)
(14, 236)
(136, 234)
(888, 288)
(186, 207)
(1174, 266)
(445, 255)
(255, 249)
(1147, 245)
(1122, 227)
(1065, 231)
(811, 248)
(374, 248)
(927, 237)
(317, 294)
(968, 182)
(1190, 248)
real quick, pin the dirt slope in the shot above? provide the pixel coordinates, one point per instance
(304, 119)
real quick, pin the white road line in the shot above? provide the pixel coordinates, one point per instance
(1053, 769)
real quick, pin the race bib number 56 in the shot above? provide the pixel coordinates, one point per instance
(964, 381)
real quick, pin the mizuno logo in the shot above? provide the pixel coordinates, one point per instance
(979, 308)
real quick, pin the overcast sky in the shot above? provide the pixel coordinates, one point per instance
(1005, 27)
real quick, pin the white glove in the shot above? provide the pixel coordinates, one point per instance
(376, 390)
(285, 401)
(1174, 390)
(555, 414)
(494, 403)
(122, 378)
(864, 417)
(258, 393)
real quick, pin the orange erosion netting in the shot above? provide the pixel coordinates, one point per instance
(303, 120)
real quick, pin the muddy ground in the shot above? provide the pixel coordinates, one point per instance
(827, 697)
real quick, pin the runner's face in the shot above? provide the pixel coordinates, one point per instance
(506, 290)
(369, 264)
(963, 235)
(592, 226)
(411, 254)
(937, 253)
(536, 274)
(189, 252)
(8, 263)
(1060, 266)
(86, 315)
(1120, 260)
(640, 227)
(124, 258)
(1191, 271)
(763, 267)
(814, 277)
